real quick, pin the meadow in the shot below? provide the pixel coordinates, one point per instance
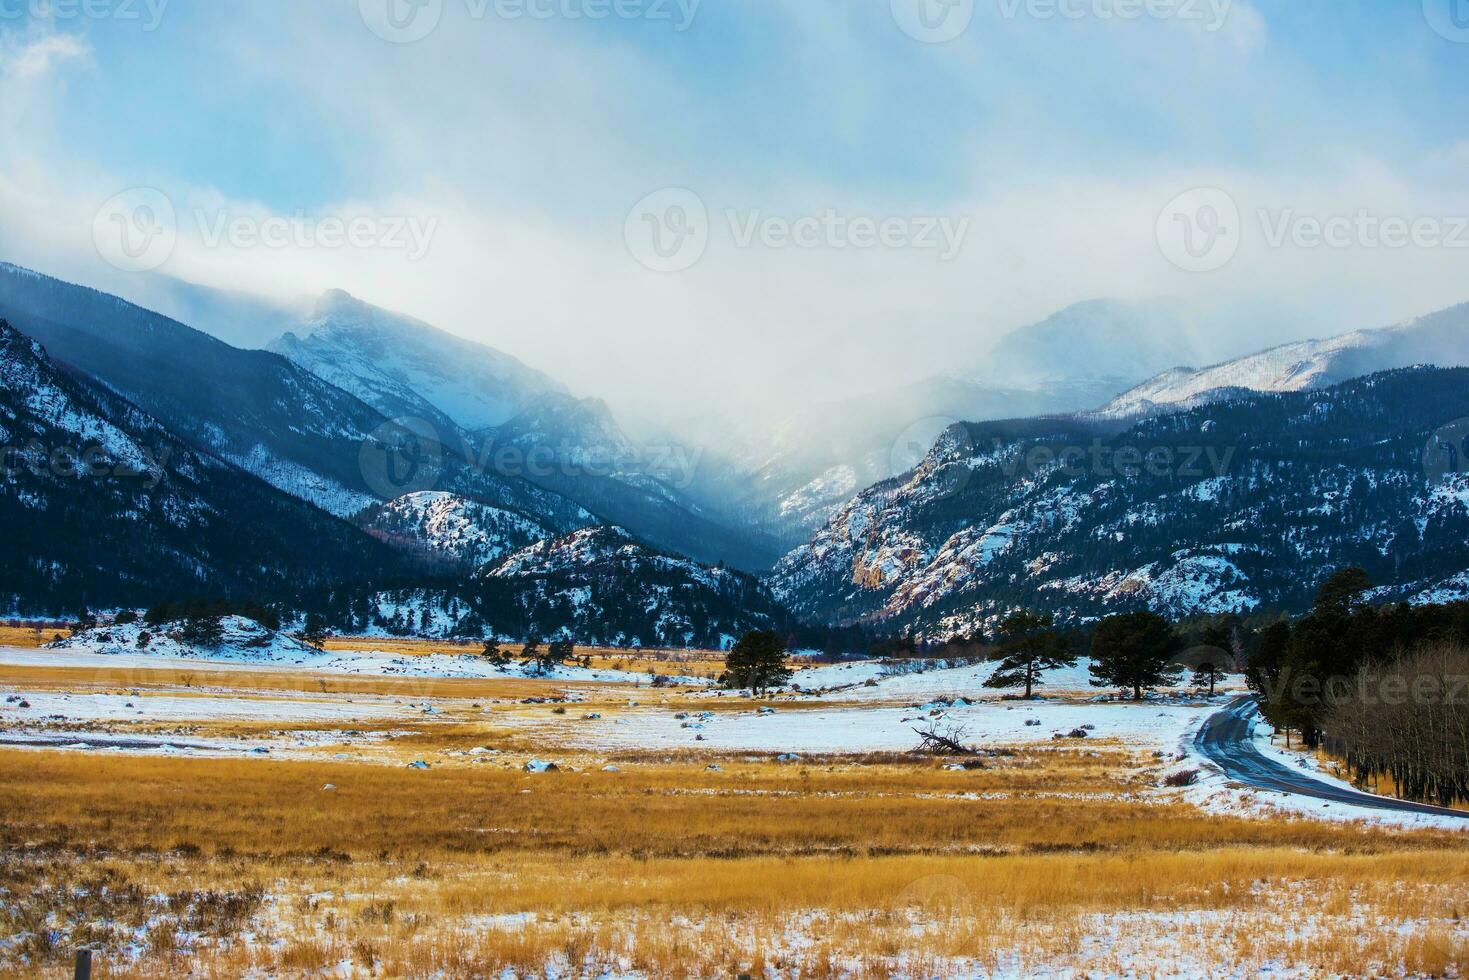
(329, 855)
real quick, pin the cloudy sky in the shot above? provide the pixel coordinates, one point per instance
(684, 206)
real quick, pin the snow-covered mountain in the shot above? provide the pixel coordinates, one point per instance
(599, 585)
(451, 529)
(1099, 340)
(1240, 505)
(603, 585)
(256, 409)
(404, 367)
(102, 504)
(575, 448)
(791, 478)
(575, 431)
(518, 423)
(1440, 339)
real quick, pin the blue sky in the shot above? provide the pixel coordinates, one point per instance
(762, 97)
(1058, 138)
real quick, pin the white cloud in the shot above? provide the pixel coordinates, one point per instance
(24, 59)
(527, 149)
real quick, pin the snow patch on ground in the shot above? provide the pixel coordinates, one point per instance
(1147, 725)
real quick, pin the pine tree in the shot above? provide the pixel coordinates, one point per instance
(1207, 674)
(758, 662)
(557, 654)
(314, 633)
(493, 653)
(1029, 647)
(85, 620)
(202, 629)
(1342, 591)
(1133, 650)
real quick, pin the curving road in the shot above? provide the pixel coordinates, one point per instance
(1225, 740)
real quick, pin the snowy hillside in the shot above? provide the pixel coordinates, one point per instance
(244, 642)
(406, 368)
(239, 639)
(1440, 338)
(101, 503)
(791, 476)
(1207, 511)
(602, 584)
(453, 529)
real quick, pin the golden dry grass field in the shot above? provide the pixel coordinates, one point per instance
(654, 861)
(685, 663)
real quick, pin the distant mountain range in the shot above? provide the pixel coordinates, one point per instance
(1440, 338)
(791, 478)
(254, 409)
(516, 422)
(1240, 505)
(390, 473)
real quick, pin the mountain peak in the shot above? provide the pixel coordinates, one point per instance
(405, 367)
(1096, 338)
(333, 301)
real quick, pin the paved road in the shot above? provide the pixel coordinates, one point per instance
(1225, 740)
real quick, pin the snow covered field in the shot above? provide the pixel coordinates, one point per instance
(248, 644)
(593, 781)
(151, 706)
(879, 728)
(874, 707)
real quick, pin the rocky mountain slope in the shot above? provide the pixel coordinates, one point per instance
(1239, 505)
(599, 586)
(101, 504)
(603, 585)
(450, 529)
